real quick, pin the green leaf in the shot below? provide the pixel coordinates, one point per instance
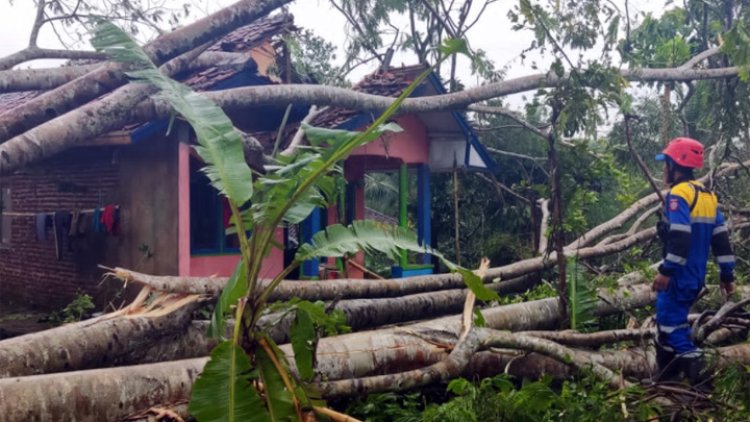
(220, 144)
(303, 338)
(223, 391)
(321, 137)
(454, 46)
(479, 320)
(235, 289)
(333, 323)
(476, 285)
(369, 236)
(461, 387)
(373, 237)
(119, 46)
(278, 397)
(581, 296)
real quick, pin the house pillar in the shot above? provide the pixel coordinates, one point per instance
(310, 226)
(403, 202)
(424, 210)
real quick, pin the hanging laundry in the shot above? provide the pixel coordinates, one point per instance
(84, 224)
(74, 220)
(61, 224)
(96, 221)
(41, 227)
(110, 219)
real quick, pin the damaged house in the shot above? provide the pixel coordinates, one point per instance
(136, 198)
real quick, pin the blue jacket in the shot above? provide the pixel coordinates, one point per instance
(695, 225)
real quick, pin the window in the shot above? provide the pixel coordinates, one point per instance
(209, 216)
(5, 220)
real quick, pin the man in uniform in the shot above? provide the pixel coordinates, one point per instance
(693, 224)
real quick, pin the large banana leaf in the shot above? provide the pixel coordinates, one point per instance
(303, 344)
(220, 145)
(374, 237)
(223, 392)
(582, 296)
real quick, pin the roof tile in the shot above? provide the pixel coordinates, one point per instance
(241, 40)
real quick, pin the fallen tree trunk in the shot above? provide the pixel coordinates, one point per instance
(44, 79)
(281, 95)
(353, 288)
(136, 339)
(126, 391)
(110, 340)
(391, 351)
(381, 351)
(97, 394)
(369, 313)
(458, 360)
(107, 77)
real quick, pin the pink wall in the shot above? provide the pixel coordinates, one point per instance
(224, 265)
(211, 265)
(410, 146)
(183, 214)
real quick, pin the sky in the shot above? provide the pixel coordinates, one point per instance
(491, 34)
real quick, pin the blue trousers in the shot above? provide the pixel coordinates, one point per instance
(672, 308)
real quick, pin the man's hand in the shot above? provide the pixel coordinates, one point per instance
(727, 289)
(661, 282)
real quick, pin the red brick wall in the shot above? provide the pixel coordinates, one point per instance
(30, 273)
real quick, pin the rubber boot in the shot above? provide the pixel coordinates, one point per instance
(668, 365)
(697, 372)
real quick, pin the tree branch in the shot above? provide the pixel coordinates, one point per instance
(695, 60)
(35, 53)
(500, 187)
(38, 22)
(515, 154)
(639, 160)
(495, 338)
(238, 98)
(479, 108)
(50, 78)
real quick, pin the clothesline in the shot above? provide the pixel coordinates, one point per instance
(51, 213)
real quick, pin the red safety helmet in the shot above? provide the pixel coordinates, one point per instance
(685, 152)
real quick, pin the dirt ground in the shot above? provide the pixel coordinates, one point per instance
(16, 320)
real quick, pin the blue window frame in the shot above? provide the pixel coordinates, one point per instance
(209, 216)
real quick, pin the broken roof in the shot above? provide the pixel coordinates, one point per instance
(240, 40)
(390, 83)
(452, 137)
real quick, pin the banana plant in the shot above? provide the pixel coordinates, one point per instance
(582, 296)
(247, 377)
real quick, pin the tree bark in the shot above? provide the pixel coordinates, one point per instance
(129, 390)
(321, 95)
(112, 339)
(375, 312)
(50, 78)
(353, 288)
(98, 394)
(382, 351)
(126, 391)
(36, 53)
